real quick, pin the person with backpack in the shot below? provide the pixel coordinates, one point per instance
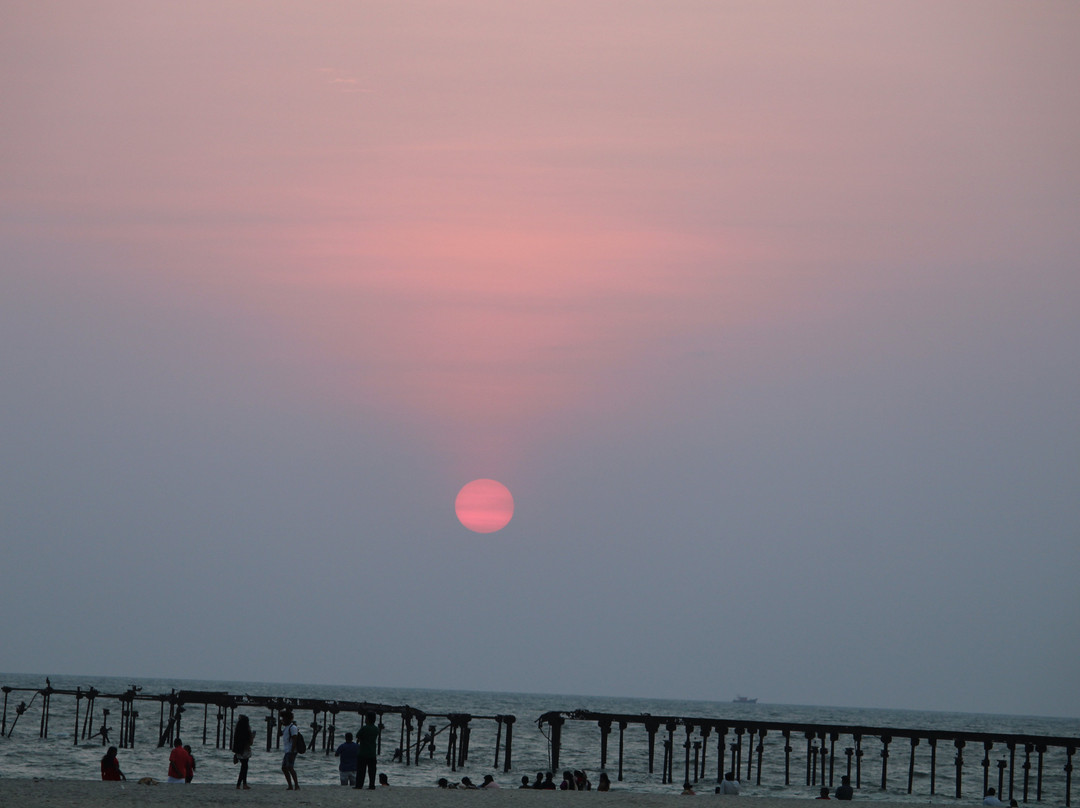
(291, 743)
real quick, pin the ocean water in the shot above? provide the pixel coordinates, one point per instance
(25, 755)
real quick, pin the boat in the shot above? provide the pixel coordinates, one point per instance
(744, 700)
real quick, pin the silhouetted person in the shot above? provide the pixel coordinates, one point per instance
(538, 783)
(824, 795)
(549, 782)
(180, 763)
(730, 785)
(288, 733)
(605, 782)
(110, 766)
(991, 798)
(367, 739)
(349, 754)
(243, 739)
(524, 781)
(845, 791)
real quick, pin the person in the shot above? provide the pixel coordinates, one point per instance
(687, 789)
(384, 781)
(180, 763)
(110, 766)
(288, 732)
(730, 785)
(524, 781)
(443, 783)
(605, 782)
(991, 798)
(845, 791)
(243, 740)
(824, 795)
(367, 741)
(348, 753)
(582, 780)
(191, 769)
(549, 782)
(467, 783)
(489, 782)
(538, 783)
(568, 783)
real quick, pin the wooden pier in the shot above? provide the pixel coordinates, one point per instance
(218, 713)
(818, 767)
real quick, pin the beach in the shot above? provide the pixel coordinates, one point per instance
(90, 794)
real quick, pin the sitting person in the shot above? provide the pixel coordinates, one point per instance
(824, 795)
(845, 791)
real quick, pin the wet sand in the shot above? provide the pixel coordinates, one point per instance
(86, 794)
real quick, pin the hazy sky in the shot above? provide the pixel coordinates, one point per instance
(768, 314)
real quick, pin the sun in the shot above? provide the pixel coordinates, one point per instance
(484, 506)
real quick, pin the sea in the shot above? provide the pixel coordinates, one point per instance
(23, 754)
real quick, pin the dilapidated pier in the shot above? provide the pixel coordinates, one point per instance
(218, 714)
(740, 748)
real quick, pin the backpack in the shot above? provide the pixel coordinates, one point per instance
(298, 744)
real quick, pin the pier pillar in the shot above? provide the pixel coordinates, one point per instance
(959, 744)
(509, 720)
(605, 731)
(651, 727)
(622, 732)
(932, 740)
(760, 752)
(706, 730)
(1001, 765)
(824, 756)
(1069, 752)
(1041, 750)
(787, 757)
(1028, 749)
(1012, 768)
(271, 725)
(833, 738)
(885, 741)
(556, 722)
(858, 760)
(697, 760)
(75, 734)
(911, 765)
(810, 758)
(987, 747)
(721, 750)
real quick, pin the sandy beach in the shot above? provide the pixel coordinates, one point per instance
(64, 793)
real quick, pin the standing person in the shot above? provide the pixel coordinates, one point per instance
(348, 753)
(191, 768)
(605, 782)
(367, 739)
(110, 766)
(288, 733)
(180, 763)
(243, 740)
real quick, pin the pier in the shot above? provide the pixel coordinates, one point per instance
(217, 711)
(740, 747)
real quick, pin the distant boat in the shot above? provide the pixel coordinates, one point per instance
(744, 700)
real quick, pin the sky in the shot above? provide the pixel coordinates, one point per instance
(767, 314)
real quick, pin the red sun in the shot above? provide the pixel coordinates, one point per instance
(484, 506)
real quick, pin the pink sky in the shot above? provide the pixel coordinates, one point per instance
(521, 234)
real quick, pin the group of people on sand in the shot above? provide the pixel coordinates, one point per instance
(356, 759)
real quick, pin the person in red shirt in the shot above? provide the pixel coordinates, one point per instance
(110, 766)
(180, 763)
